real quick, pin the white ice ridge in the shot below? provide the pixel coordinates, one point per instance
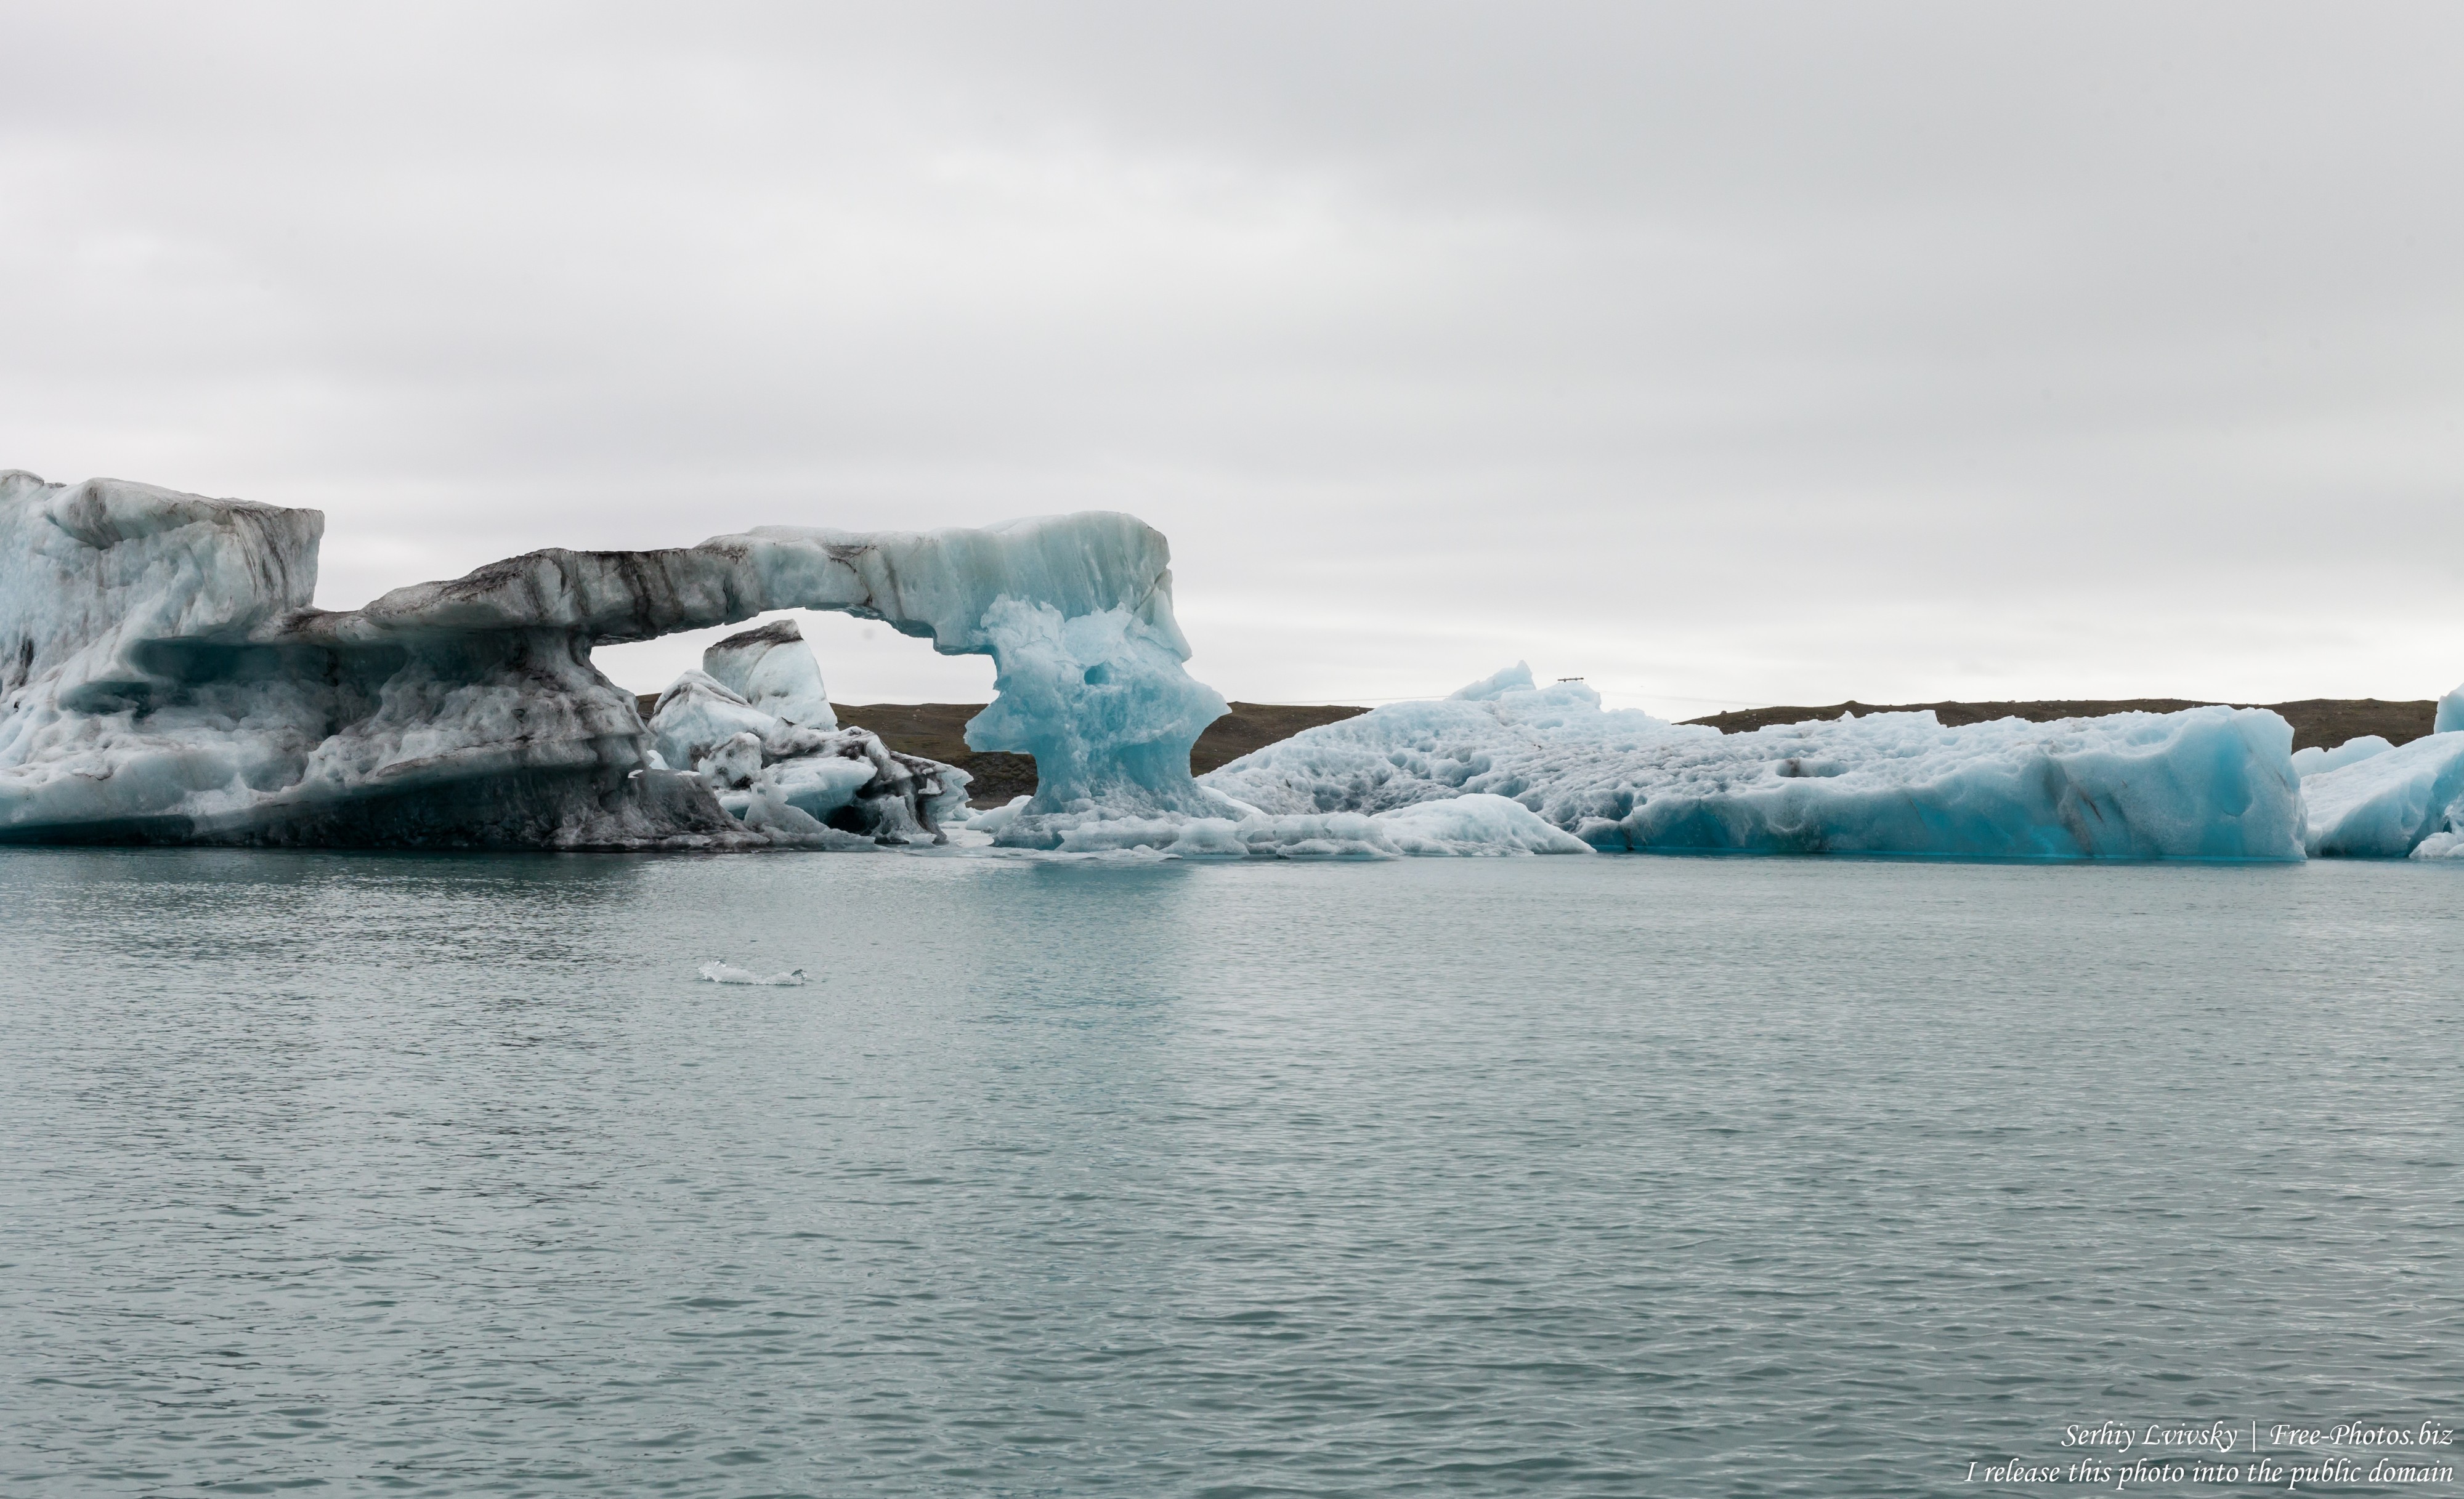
(2207, 783)
(164, 679)
(2318, 759)
(1461, 826)
(2405, 801)
(824, 787)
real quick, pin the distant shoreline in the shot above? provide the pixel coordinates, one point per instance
(937, 730)
(2322, 721)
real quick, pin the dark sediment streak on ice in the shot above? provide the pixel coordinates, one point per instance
(167, 680)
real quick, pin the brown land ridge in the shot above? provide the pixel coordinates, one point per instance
(937, 730)
(2322, 721)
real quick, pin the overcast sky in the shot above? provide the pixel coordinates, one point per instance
(1722, 354)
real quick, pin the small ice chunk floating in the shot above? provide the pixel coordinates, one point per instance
(164, 679)
(721, 971)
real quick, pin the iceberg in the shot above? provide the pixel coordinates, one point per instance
(2205, 784)
(771, 670)
(2403, 801)
(782, 777)
(1100, 700)
(1500, 734)
(2450, 713)
(164, 678)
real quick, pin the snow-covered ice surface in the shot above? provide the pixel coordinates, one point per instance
(1458, 827)
(164, 679)
(2205, 784)
(2407, 800)
(1482, 739)
(1468, 825)
(2318, 759)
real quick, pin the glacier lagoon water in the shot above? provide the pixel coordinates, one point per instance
(444, 1175)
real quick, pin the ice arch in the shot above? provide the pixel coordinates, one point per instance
(163, 677)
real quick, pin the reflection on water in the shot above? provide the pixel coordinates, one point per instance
(443, 1174)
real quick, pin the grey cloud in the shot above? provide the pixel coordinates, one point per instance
(1727, 353)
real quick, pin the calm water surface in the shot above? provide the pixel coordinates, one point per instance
(443, 1176)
